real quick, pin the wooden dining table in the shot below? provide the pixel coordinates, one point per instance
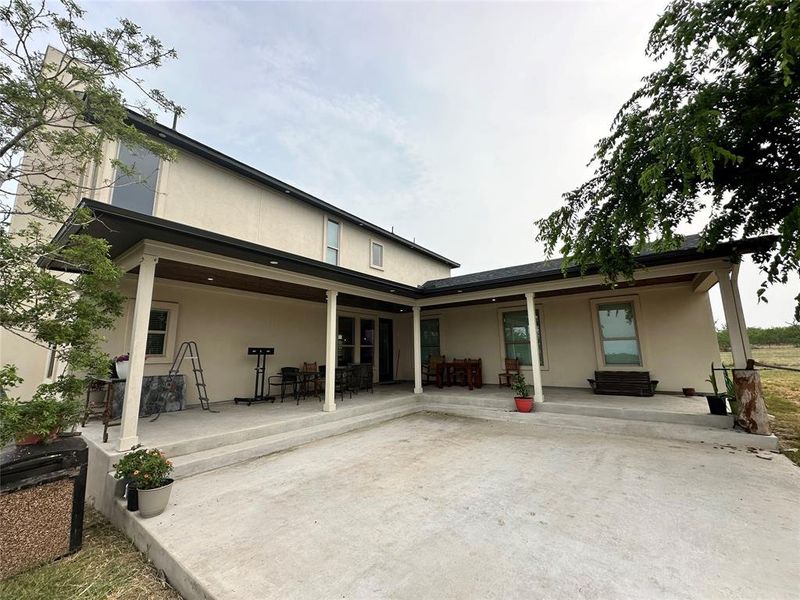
(468, 371)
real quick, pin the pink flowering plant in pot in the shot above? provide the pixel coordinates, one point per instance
(122, 365)
(148, 470)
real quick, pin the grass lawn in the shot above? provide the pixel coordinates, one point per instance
(108, 566)
(781, 393)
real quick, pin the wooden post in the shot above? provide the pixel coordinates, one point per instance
(752, 413)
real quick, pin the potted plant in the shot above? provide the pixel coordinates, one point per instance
(122, 365)
(522, 398)
(38, 420)
(716, 401)
(148, 471)
(125, 469)
(689, 392)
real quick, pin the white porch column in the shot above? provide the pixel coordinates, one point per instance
(740, 311)
(417, 350)
(133, 385)
(330, 354)
(533, 333)
(734, 317)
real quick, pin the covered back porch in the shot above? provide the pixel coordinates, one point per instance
(229, 295)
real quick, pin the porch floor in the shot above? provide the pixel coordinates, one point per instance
(194, 423)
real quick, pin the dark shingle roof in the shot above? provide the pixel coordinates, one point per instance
(551, 269)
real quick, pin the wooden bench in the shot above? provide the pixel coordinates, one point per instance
(623, 383)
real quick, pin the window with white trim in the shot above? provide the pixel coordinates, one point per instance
(136, 188)
(157, 332)
(516, 336)
(375, 255)
(430, 340)
(333, 238)
(619, 336)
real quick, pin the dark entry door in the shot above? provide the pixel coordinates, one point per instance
(386, 350)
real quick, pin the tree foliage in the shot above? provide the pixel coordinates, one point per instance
(58, 111)
(714, 131)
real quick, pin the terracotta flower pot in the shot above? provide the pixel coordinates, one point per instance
(153, 502)
(524, 405)
(28, 439)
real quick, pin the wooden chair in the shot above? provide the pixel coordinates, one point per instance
(430, 367)
(512, 369)
(312, 383)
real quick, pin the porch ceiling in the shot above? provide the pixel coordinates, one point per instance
(570, 291)
(178, 271)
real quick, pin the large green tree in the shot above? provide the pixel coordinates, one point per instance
(58, 110)
(714, 133)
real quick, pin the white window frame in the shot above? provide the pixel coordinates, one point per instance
(638, 326)
(156, 193)
(545, 366)
(326, 245)
(372, 244)
(172, 331)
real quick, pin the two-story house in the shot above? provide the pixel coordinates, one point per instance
(220, 253)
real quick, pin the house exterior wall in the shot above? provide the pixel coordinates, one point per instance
(295, 328)
(676, 332)
(196, 192)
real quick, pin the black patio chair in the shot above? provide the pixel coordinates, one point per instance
(287, 379)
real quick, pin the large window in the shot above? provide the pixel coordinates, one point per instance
(136, 190)
(516, 336)
(429, 330)
(157, 332)
(619, 339)
(333, 231)
(346, 341)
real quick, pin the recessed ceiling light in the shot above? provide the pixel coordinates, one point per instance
(288, 191)
(161, 135)
(392, 291)
(459, 291)
(402, 309)
(494, 299)
(273, 262)
(210, 278)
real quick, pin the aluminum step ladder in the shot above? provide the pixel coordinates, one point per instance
(189, 350)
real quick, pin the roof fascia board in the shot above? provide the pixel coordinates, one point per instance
(215, 261)
(188, 144)
(575, 282)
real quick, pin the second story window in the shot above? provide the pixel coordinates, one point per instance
(136, 191)
(376, 255)
(333, 236)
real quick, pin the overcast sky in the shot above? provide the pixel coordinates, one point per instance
(456, 124)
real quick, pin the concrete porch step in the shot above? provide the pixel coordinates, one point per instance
(636, 414)
(197, 462)
(611, 426)
(217, 439)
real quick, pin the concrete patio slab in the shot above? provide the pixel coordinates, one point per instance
(436, 506)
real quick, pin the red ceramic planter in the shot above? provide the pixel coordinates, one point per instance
(524, 404)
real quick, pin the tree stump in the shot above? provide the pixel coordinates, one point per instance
(752, 414)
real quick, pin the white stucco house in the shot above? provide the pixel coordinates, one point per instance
(217, 252)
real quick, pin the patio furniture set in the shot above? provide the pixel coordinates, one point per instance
(300, 383)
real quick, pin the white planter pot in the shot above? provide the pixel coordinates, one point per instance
(123, 367)
(153, 502)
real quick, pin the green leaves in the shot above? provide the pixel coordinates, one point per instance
(59, 113)
(715, 131)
